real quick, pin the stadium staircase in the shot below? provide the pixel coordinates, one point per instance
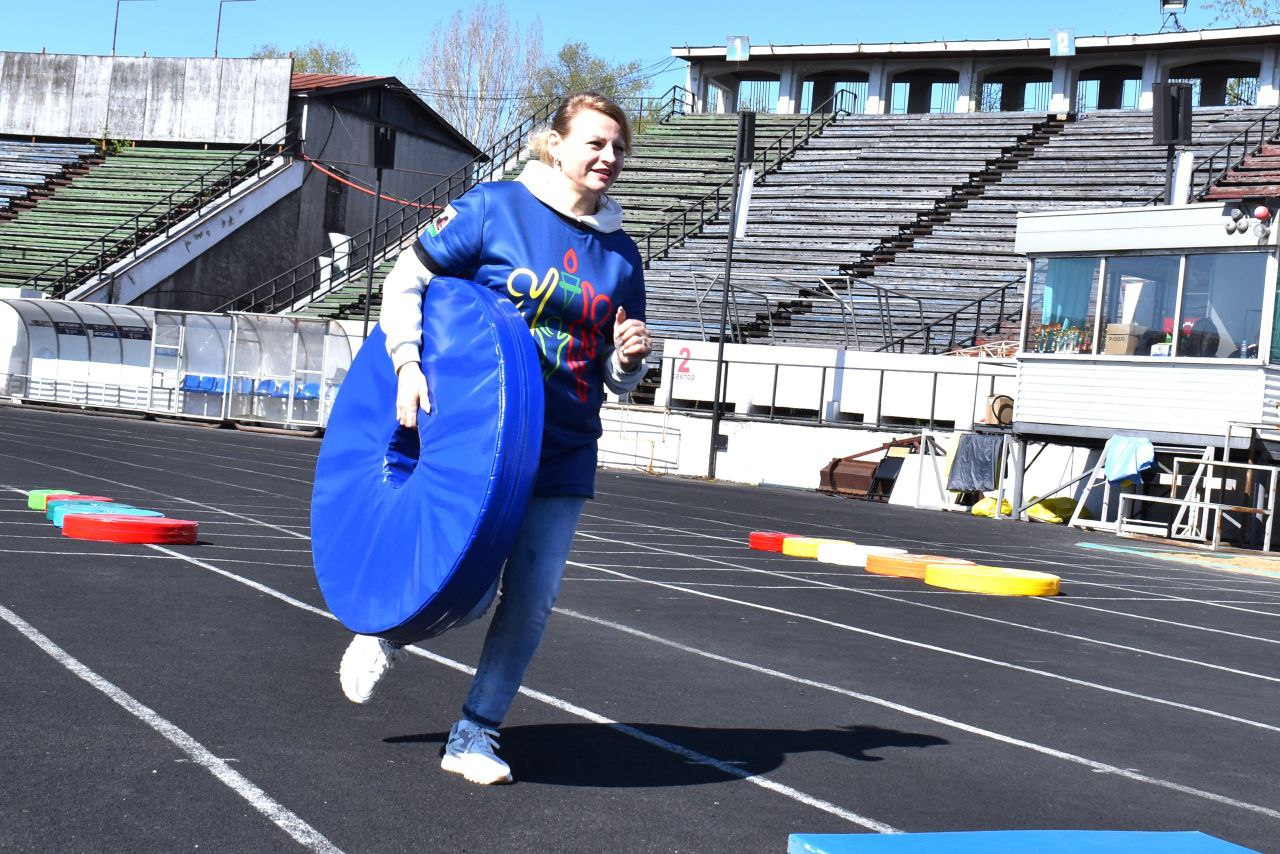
(677, 175)
(110, 207)
(1247, 166)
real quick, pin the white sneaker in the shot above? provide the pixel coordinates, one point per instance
(470, 751)
(363, 664)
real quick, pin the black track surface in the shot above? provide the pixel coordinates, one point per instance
(829, 699)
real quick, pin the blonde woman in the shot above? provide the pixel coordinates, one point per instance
(552, 241)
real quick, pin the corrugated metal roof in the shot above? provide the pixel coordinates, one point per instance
(313, 82)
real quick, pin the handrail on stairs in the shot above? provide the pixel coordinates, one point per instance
(160, 216)
(1000, 294)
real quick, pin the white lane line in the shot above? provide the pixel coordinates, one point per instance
(179, 498)
(810, 588)
(155, 460)
(1192, 626)
(1101, 767)
(656, 549)
(1008, 665)
(278, 814)
(181, 445)
(758, 780)
(81, 554)
(581, 712)
(826, 585)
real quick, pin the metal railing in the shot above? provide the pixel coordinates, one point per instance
(696, 215)
(963, 326)
(335, 267)
(775, 302)
(162, 215)
(885, 301)
(1215, 166)
(827, 395)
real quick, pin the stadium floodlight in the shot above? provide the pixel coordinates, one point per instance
(1169, 6)
(217, 36)
(116, 29)
(737, 48)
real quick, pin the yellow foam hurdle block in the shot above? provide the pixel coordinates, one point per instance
(849, 554)
(997, 580)
(807, 546)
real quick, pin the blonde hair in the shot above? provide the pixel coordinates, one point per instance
(563, 118)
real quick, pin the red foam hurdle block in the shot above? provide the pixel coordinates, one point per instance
(767, 541)
(130, 529)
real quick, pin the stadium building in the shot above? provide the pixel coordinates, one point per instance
(940, 239)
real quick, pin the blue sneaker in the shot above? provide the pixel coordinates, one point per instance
(472, 752)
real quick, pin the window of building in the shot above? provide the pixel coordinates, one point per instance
(1138, 303)
(335, 207)
(1064, 300)
(1222, 305)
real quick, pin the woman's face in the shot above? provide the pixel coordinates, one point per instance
(591, 153)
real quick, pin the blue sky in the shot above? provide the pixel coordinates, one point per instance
(386, 36)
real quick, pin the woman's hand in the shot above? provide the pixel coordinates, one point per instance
(411, 394)
(631, 340)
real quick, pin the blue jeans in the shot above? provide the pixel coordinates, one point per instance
(529, 586)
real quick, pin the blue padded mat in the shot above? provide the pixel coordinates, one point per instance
(1014, 842)
(403, 549)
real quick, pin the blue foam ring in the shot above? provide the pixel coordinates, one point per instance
(62, 511)
(50, 510)
(410, 528)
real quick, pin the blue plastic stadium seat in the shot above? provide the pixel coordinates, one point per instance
(308, 391)
(207, 384)
(266, 388)
(282, 389)
(190, 382)
(219, 385)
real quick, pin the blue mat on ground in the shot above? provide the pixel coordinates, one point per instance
(1014, 842)
(410, 528)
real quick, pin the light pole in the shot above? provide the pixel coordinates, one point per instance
(116, 29)
(217, 36)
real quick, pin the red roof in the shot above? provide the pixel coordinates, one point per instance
(312, 82)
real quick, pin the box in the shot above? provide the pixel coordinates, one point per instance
(1122, 339)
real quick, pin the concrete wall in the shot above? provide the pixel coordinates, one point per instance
(141, 98)
(251, 255)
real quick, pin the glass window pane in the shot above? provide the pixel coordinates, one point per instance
(1138, 304)
(1222, 306)
(1064, 297)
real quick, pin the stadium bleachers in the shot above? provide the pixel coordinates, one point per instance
(672, 164)
(106, 205)
(877, 227)
(1103, 159)
(30, 170)
(857, 191)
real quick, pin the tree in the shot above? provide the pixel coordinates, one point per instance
(314, 57)
(474, 70)
(576, 69)
(1244, 12)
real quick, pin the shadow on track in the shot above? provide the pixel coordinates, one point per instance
(599, 756)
